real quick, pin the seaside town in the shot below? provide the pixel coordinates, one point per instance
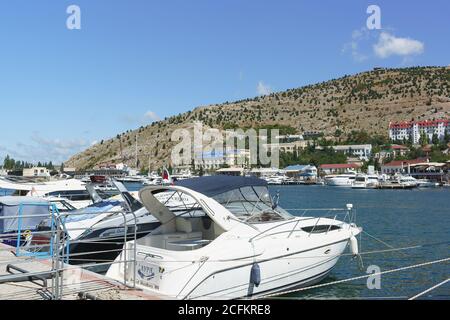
(418, 149)
(250, 156)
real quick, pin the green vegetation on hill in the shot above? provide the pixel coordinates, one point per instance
(340, 108)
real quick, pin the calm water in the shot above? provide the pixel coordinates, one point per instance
(400, 218)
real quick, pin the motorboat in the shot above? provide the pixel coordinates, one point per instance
(340, 180)
(425, 183)
(366, 181)
(407, 181)
(20, 216)
(133, 179)
(399, 182)
(275, 179)
(72, 190)
(95, 234)
(234, 242)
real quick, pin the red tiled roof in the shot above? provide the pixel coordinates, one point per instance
(425, 123)
(398, 147)
(399, 163)
(340, 166)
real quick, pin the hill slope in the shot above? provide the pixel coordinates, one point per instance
(366, 101)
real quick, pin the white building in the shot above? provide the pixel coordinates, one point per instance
(413, 129)
(288, 147)
(215, 160)
(36, 172)
(266, 172)
(362, 151)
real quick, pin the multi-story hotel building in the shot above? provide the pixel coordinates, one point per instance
(413, 129)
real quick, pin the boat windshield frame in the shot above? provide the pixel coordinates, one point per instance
(248, 204)
(257, 205)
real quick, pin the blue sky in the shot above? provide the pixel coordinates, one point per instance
(136, 61)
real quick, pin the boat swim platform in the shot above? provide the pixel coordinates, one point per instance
(77, 284)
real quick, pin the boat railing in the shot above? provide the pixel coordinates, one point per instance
(51, 247)
(348, 215)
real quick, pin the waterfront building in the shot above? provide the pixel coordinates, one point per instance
(362, 151)
(231, 171)
(391, 152)
(302, 172)
(413, 130)
(36, 172)
(435, 171)
(399, 166)
(265, 172)
(326, 169)
(214, 160)
(288, 147)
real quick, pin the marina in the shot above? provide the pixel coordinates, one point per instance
(224, 159)
(389, 221)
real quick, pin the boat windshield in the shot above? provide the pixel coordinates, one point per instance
(252, 204)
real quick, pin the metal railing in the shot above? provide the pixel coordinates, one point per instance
(60, 246)
(348, 214)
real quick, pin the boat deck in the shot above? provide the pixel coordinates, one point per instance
(78, 283)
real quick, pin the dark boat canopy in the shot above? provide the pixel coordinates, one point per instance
(26, 212)
(214, 185)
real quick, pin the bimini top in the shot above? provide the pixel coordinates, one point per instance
(29, 212)
(214, 185)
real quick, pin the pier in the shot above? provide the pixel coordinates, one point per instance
(27, 278)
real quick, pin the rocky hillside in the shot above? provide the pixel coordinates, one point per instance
(366, 101)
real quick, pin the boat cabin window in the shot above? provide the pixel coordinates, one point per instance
(72, 195)
(321, 228)
(252, 204)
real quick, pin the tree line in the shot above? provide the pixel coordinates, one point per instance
(12, 164)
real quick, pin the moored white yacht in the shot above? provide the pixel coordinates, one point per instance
(366, 181)
(275, 179)
(72, 190)
(399, 181)
(234, 242)
(424, 183)
(341, 180)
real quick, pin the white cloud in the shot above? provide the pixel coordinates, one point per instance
(45, 150)
(353, 46)
(150, 115)
(263, 89)
(135, 120)
(389, 45)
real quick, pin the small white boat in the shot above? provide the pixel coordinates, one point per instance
(424, 183)
(399, 182)
(366, 181)
(72, 190)
(234, 243)
(275, 180)
(340, 180)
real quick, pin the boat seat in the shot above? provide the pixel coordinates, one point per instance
(183, 225)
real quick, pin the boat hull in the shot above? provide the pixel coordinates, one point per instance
(283, 264)
(298, 271)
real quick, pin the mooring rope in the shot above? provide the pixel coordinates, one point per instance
(355, 278)
(429, 290)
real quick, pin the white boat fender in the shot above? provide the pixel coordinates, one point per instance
(354, 246)
(255, 275)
